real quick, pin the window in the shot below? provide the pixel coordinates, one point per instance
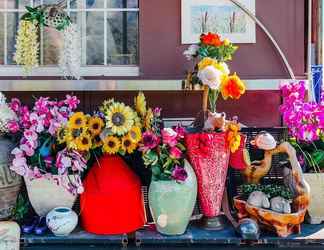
(109, 37)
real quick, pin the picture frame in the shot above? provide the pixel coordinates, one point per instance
(217, 16)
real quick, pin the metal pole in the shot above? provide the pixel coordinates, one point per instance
(266, 31)
(309, 52)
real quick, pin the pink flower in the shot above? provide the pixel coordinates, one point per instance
(157, 112)
(181, 131)
(37, 122)
(15, 104)
(19, 166)
(41, 105)
(72, 102)
(150, 141)
(28, 149)
(13, 126)
(36, 173)
(179, 174)
(31, 136)
(54, 126)
(169, 137)
(175, 153)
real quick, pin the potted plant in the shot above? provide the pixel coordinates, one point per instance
(173, 190)
(110, 182)
(10, 182)
(213, 138)
(51, 168)
(305, 121)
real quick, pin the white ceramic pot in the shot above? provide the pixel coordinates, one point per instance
(316, 208)
(45, 195)
(9, 236)
(62, 221)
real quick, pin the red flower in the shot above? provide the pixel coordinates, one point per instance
(211, 39)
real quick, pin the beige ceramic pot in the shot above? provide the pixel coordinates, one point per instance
(45, 195)
(9, 235)
(316, 208)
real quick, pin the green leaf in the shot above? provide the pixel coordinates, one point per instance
(30, 9)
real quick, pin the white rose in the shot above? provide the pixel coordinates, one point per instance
(225, 67)
(211, 77)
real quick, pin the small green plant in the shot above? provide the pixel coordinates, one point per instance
(21, 209)
(271, 190)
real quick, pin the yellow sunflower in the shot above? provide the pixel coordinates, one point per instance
(135, 134)
(95, 125)
(96, 141)
(120, 118)
(83, 142)
(127, 144)
(111, 145)
(148, 119)
(77, 120)
(61, 135)
(140, 104)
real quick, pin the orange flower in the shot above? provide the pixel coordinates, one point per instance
(211, 39)
(233, 136)
(232, 87)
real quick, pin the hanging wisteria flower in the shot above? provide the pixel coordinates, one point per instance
(70, 54)
(27, 45)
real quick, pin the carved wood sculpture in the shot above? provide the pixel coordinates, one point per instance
(282, 224)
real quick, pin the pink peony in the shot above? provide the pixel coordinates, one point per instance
(169, 137)
(150, 141)
(175, 153)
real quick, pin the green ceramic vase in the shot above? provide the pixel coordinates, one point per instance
(172, 203)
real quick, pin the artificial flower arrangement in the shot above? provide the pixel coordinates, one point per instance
(124, 125)
(41, 152)
(305, 121)
(212, 71)
(27, 41)
(164, 152)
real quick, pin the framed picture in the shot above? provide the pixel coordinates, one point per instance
(218, 16)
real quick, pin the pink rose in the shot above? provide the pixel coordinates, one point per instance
(169, 137)
(13, 126)
(175, 153)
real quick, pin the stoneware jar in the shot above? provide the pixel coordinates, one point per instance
(172, 203)
(10, 182)
(62, 221)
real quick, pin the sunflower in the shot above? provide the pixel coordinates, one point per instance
(140, 104)
(120, 118)
(83, 142)
(111, 145)
(148, 119)
(77, 120)
(95, 125)
(61, 135)
(96, 141)
(135, 134)
(127, 145)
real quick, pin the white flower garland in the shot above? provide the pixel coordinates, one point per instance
(70, 54)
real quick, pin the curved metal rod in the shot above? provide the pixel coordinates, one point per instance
(266, 31)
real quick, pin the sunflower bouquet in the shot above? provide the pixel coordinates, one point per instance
(211, 69)
(122, 131)
(40, 152)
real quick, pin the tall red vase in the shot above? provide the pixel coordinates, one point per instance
(112, 202)
(209, 156)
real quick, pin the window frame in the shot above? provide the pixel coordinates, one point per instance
(105, 70)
